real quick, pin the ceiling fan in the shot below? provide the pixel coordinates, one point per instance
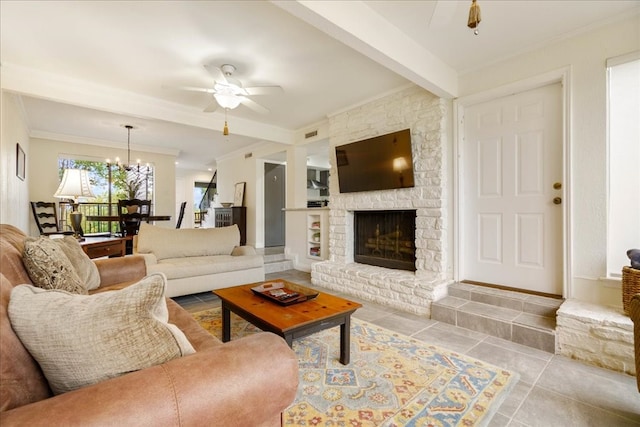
(228, 92)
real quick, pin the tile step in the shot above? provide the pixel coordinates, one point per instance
(521, 318)
(277, 266)
(534, 304)
(274, 257)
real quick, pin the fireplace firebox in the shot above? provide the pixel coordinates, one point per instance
(386, 238)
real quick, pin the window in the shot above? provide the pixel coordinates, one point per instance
(199, 193)
(109, 184)
(623, 128)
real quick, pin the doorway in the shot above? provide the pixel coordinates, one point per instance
(512, 190)
(274, 203)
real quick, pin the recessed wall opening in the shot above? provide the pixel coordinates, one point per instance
(385, 238)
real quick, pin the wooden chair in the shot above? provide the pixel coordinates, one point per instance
(46, 217)
(131, 214)
(183, 205)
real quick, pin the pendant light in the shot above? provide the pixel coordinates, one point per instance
(474, 17)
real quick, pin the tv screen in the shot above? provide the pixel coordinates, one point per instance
(381, 163)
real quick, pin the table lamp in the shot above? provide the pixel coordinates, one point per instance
(74, 184)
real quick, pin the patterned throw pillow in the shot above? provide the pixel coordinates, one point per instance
(79, 340)
(49, 267)
(86, 269)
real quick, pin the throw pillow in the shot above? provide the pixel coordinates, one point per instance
(79, 340)
(167, 243)
(49, 267)
(86, 269)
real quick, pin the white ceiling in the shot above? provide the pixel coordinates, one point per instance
(82, 69)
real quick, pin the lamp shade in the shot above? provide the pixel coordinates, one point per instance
(74, 184)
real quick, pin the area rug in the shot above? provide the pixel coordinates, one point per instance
(392, 380)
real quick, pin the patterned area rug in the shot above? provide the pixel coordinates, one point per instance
(392, 380)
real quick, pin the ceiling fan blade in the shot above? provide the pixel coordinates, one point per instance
(253, 105)
(211, 107)
(194, 89)
(264, 90)
(216, 72)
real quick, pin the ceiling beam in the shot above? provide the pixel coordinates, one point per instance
(57, 88)
(361, 28)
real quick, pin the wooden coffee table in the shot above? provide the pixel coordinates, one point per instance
(291, 321)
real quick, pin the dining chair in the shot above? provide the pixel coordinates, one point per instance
(183, 205)
(46, 217)
(131, 214)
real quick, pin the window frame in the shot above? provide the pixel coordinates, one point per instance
(621, 171)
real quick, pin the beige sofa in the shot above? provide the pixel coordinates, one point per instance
(198, 259)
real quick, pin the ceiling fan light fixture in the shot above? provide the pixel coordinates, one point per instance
(228, 92)
(227, 101)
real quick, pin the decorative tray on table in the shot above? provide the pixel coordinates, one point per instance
(277, 292)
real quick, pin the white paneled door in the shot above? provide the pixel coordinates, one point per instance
(512, 191)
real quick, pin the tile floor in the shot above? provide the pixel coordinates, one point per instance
(552, 391)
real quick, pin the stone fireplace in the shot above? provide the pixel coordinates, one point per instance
(412, 291)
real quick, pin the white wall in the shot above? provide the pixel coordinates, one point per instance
(234, 170)
(43, 173)
(586, 56)
(14, 193)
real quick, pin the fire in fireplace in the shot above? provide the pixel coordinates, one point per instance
(386, 238)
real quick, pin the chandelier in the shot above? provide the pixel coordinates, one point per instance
(128, 167)
(138, 178)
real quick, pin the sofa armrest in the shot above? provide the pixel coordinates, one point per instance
(149, 259)
(247, 382)
(243, 250)
(114, 271)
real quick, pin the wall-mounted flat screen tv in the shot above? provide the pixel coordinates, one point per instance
(381, 163)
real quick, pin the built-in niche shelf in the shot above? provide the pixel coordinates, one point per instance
(314, 237)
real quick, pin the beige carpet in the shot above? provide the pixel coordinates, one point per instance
(392, 380)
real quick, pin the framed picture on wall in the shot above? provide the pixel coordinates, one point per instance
(238, 197)
(21, 161)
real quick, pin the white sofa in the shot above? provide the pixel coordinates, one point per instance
(198, 259)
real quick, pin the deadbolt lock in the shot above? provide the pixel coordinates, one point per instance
(557, 185)
(557, 200)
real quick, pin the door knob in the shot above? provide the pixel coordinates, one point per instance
(557, 185)
(557, 200)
